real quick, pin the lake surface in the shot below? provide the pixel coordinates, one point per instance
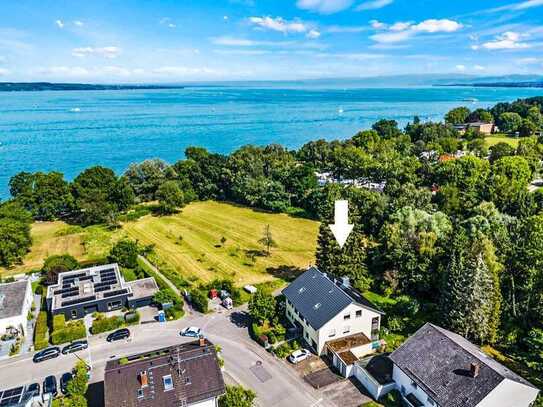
(70, 131)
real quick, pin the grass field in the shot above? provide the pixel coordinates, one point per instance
(49, 238)
(190, 242)
(502, 138)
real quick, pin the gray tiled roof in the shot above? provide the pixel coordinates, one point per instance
(12, 298)
(318, 299)
(439, 362)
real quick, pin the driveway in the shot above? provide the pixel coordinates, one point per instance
(245, 361)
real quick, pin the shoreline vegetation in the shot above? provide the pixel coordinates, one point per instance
(49, 86)
(446, 228)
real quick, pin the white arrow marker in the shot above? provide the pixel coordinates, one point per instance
(341, 228)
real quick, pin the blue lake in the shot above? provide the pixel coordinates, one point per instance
(70, 131)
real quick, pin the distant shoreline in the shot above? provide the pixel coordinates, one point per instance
(48, 86)
(496, 85)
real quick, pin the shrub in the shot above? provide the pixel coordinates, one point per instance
(59, 322)
(199, 301)
(396, 324)
(132, 317)
(70, 332)
(286, 348)
(125, 253)
(406, 306)
(123, 361)
(175, 312)
(104, 324)
(40, 331)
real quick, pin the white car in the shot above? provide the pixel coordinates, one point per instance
(191, 331)
(299, 355)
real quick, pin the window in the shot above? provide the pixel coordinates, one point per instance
(414, 385)
(187, 381)
(346, 317)
(74, 313)
(430, 401)
(359, 313)
(346, 329)
(140, 393)
(332, 333)
(168, 382)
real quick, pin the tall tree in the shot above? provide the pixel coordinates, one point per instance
(267, 239)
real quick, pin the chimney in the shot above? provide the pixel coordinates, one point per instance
(474, 369)
(143, 379)
(202, 341)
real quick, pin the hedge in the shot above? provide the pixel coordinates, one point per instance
(72, 331)
(104, 324)
(40, 331)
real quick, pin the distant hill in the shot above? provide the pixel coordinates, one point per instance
(41, 86)
(500, 84)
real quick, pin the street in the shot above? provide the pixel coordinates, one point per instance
(275, 383)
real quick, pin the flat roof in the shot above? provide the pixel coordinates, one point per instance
(12, 298)
(96, 283)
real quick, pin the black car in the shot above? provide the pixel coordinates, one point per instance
(118, 335)
(64, 380)
(46, 354)
(75, 347)
(32, 390)
(50, 386)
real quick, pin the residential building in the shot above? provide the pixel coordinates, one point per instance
(97, 289)
(436, 367)
(15, 302)
(480, 127)
(333, 318)
(183, 375)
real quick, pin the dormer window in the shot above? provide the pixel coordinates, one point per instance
(140, 393)
(168, 382)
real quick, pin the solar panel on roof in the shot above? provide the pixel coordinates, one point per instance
(85, 278)
(78, 301)
(102, 288)
(110, 281)
(70, 294)
(108, 275)
(116, 292)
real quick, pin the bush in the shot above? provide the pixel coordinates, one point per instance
(125, 253)
(199, 301)
(40, 331)
(175, 312)
(104, 324)
(396, 324)
(285, 349)
(406, 306)
(59, 322)
(71, 331)
(132, 317)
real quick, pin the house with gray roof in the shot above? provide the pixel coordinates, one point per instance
(15, 302)
(333, 317)
(436, 367)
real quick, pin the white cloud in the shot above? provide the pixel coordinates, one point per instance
(524, 5)
(400, 26)
(78, 23)
(242, 52)
(460, 68)
(233, 42)
(59, 23)
(225, 18)
(4, 72)
(279, 24)
(373, 5)
(243, 42)
(106, 52)
(434, 26)
(401, 31)
(324, 6)
(76, 71)
(313, 34)
(167, 21)
(479, 68)
(377, 24)
(183, 70)
(346, 29)
(507, 40)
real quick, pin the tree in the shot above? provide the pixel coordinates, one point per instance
(510, 122)
(387, 128)
(56, 264)
(508, 182)
(262, 306)
(237, 396)
(480, 115)
(125, 253)
(15, 239)
(470, 295)
(147, 176)
(267, 240)
(500, 150)
(170, 197)
(457, 115)
(527, 128)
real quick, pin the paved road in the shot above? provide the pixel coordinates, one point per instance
(275, 383)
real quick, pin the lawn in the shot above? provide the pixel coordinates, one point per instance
(190, 242)
(502, 138)
(89, 244)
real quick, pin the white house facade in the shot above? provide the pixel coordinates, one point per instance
(333, 318)
(15, 302)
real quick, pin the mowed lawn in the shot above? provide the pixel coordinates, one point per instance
(502, 138)
(49, 238)
(190, 242)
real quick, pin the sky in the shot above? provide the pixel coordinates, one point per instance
(167, 41)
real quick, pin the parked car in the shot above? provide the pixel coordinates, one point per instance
(299, 355)
(64, 380)
(228, 303)
(46, 354)
(119, 334)
(75, 346)
(50, 386)
(191, 331)
(32, 390)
